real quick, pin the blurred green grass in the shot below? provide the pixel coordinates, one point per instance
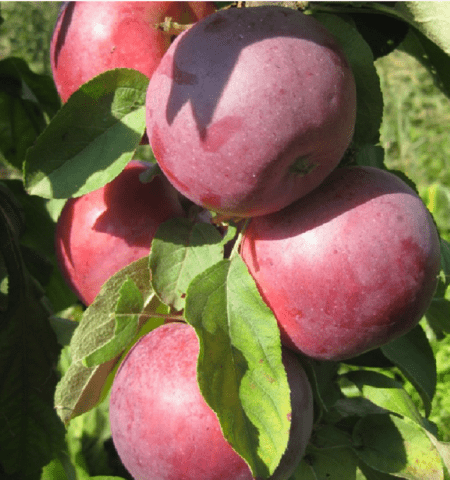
(27, 30)
(414, 134)
(415, 131)
(416, 120)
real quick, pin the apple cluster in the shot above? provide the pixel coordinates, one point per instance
(248, 113)
(103, 231)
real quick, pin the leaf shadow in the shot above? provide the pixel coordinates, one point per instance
(201, 74)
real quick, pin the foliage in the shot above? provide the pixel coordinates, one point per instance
(370, 422)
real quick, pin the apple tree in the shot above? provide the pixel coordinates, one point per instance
(254, 297)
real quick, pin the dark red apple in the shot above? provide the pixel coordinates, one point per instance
(162, 427)
(348, 268)
(92, 37)
(251, 109)
(101, 232)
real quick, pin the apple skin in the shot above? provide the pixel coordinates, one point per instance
(103, 231)
(162, 427)
(251, 109)
(348, 268)
(92, 37)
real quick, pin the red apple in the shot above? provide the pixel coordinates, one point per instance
(251, 109)
(162, 427)
(92, 37)
(101, 232)
(348, 268)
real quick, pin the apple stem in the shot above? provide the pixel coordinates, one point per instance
(171, 27)
(237, 245)
(165, 316)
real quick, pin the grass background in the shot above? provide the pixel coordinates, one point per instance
(414, 135)
(416, 140)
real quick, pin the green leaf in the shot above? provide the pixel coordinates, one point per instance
(240, 372)
(92, 137)
(148, 175)
(330, 464)
(382, 32)
(385, 392)
(30, 432)
(85, 454)
(356, 407)
(56, 470)
(371, 156)
(437, 199)
(12, 213)
(413, 355)
(26, 99)
(445, 261)
(372, 358)
(323, 377)
(397, 446)
(86, 436)
(40, 227)
(129, 305)
(369, 111)
(103, 477)
(438, 314)
(328, 456)
(100, 340)
(443, 448)
(63, 328)
(39, 236)
(230, 234)
(330, 436)
(181, 250)
(430, 56)
(430, 18)
(370, 474)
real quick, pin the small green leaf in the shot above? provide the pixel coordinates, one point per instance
(103, 477)
(323, 377)
(445, 259)
(443, 449)
(438, 314)
(385, 392)
(371, 156)
(31, 434)
(63, 328)
(57, 469)
(356, 407)
(181, 250)
(413, 355)
(240, 372)
(148, 175)
(26, 100)
(430, 18)
(129, 305)
(94, 342)
(383, 32)
(430, 55)
(371, 474)
(333, 463)
(38, 89)
(437, 199)
(329, 436)
(92, 137)
(86, 437)
(39, 236)
(230, 233)
(397, 446)
(369, 110)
